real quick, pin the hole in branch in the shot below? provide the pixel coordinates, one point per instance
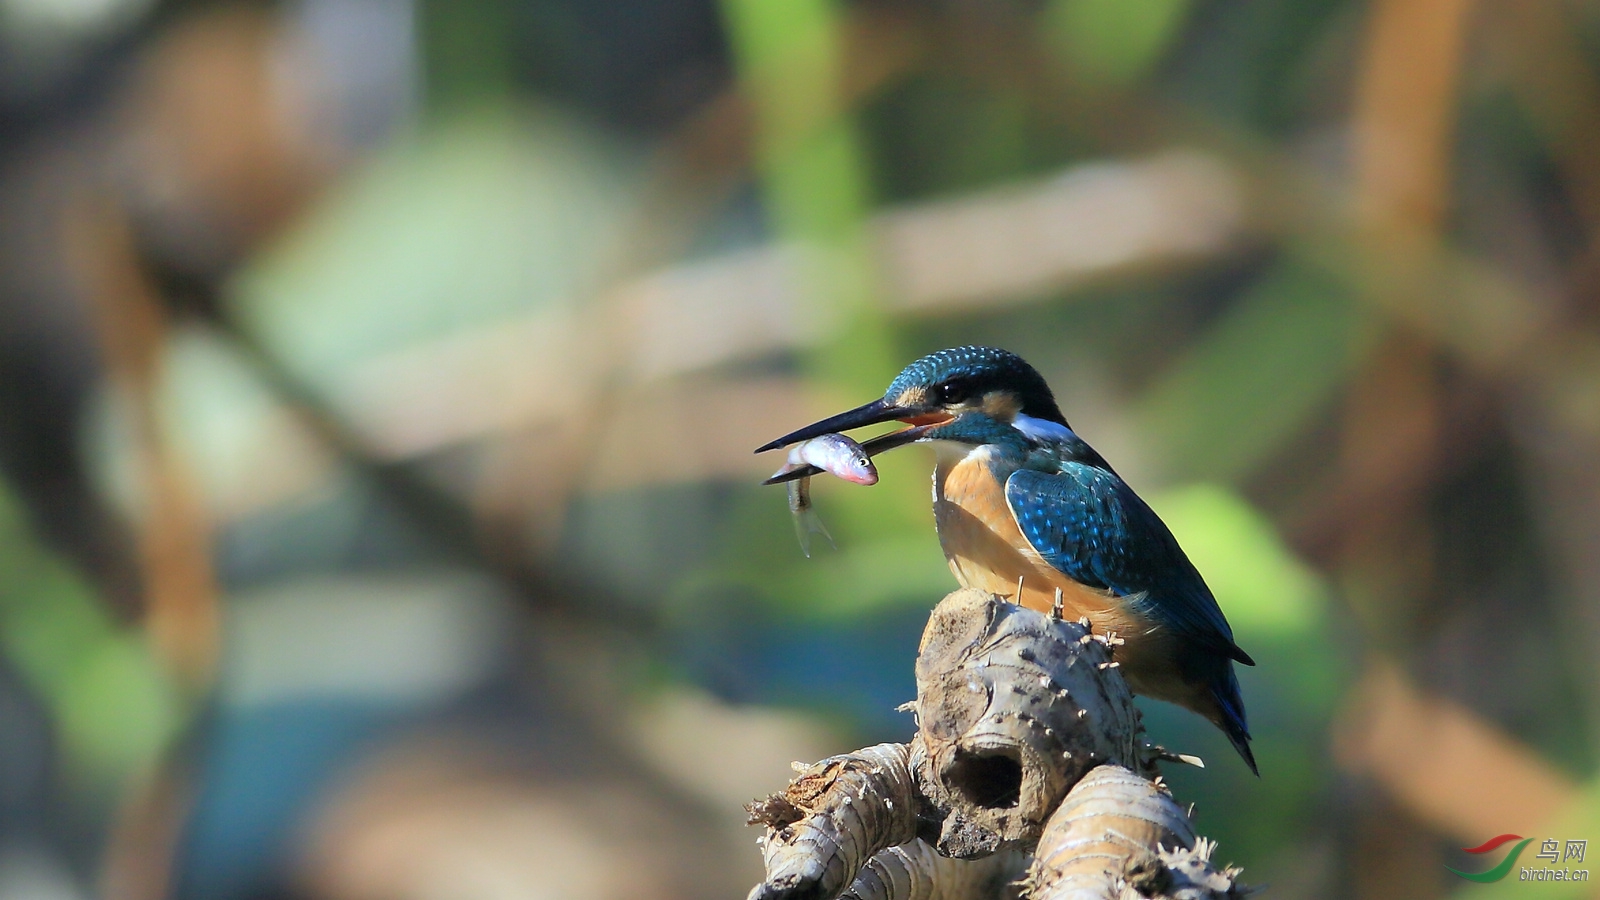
(991, 779)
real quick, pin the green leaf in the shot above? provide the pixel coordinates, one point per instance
(1265, 591)
(1258, 378)
(1115, 42)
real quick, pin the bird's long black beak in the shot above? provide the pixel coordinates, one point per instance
(866, 414)
(872, 447)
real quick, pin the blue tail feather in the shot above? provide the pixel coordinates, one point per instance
(1225, 690)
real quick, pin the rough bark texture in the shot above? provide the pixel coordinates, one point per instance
(916, 871)
(1119, 835)
(1028, 743)
(1013, 708)
(832, 818)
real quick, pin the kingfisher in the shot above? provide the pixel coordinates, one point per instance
(1025, 509)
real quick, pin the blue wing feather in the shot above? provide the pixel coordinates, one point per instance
(1089, 525)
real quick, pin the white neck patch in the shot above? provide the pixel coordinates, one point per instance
(1042, 430)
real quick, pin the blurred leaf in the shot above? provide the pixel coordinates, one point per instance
(814, 181)
(107, 693)
(935, 135)
(1114, 42)
(116, 709)
(1277, 606)
(815, 187)
(503, 212)
(1257, 378)
(1264, 590)
(469, 49)
(860, 579)
(906, 571)
(1279, 612)
(1265, 66)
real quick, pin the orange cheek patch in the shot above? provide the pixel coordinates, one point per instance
(1001, 406)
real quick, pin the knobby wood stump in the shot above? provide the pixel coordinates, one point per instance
(1028, 778)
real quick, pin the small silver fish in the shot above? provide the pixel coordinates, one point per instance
(832, 453)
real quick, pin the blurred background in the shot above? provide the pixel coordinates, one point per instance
(378, 380)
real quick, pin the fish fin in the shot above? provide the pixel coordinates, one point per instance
(807, 523)
(803, 533)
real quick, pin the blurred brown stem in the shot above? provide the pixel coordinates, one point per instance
(1389, 720)
(174, 537)
(174, 541)
(1404, 123)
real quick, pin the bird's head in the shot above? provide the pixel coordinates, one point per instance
(945, 385)
(956, 394)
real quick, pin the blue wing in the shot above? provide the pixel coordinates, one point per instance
(1088, 524)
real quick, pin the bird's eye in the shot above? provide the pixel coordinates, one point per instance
(953, 391)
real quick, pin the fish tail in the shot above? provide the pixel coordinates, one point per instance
(806, 520)
(807, 523)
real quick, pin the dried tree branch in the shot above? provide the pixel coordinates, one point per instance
(916, 871)
(1013, 708)
(832, 818)
(1028, 742)
(1121, 835)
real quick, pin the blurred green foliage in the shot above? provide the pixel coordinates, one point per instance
(1280, 613)
(1271, 595)
(814, 182)
(1113, 42)
(1256, 379)
(790, 60)
(113, 707)
(499, 210)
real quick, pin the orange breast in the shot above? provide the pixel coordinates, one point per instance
(986, 551)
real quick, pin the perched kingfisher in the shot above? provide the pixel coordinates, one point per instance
(1019, 498)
